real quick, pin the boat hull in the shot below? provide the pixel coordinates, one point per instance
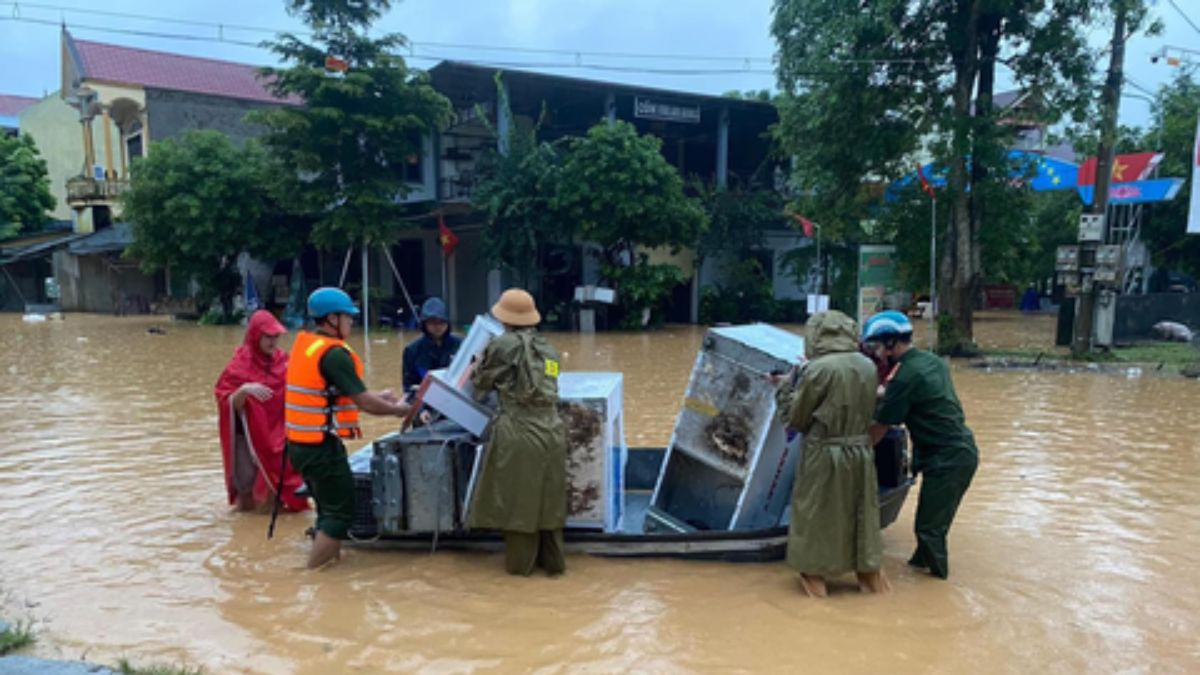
(763, 545)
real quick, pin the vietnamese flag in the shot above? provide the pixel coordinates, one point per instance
(446, 237)
(805, 224)
(925, 184)
(336, 64)
(1125, 168)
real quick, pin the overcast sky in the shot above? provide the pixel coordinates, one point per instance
(736, 30)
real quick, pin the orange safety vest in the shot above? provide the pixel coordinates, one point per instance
(313, 407)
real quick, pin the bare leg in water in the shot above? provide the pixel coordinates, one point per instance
(873, 582)
(325, 550)
(813, 585)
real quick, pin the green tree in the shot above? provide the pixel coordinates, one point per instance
(24, 187)
(198, 201)
(1164, 230)
(738, 220)
(355, 132)
(623, 195)
(867, 87)
(517, 192)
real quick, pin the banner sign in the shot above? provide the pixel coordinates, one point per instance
(654, 109)
(876, 279)
(1137, 192)
(1193, 223)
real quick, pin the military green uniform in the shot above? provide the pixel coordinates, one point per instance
(523, 489)
(834, 525)
(324, 465)
(921, 396)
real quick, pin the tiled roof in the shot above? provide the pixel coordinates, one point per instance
(11, 106)
(163, 70)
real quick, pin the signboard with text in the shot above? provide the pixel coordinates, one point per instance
(666, 111)
(876, 279)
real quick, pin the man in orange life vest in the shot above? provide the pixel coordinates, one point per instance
(325, 391)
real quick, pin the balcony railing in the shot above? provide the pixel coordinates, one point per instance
(458, 188)
(84, 189)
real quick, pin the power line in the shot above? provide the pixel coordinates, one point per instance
(221, 27)
(415, 56)
(131, 31)
(576, 64)
(1186, 18)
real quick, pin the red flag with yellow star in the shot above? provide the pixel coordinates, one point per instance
(1125, 168)
(446, 236)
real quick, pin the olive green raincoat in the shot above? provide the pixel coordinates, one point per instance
(835, 502)
(523, 487)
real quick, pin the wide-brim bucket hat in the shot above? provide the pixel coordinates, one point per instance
(516, 308)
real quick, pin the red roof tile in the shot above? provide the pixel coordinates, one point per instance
(163, 70)
(11, 106)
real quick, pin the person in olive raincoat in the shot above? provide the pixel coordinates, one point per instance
(834, 525)
(523, 489)
(920, 394)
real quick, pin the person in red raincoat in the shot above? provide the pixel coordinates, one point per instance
(250, 396)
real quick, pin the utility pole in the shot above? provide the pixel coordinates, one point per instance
(1110, 99)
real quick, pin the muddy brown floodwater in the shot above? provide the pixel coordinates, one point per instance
(1076, 550)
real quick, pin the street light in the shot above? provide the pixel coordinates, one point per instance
(1153, 106)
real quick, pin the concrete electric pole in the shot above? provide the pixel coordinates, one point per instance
(1110, 99)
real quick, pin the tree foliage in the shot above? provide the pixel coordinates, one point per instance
(738, 220)
(355, 133)
(620, 192)
(198, 201)
(869, 86)
(24, 187)
(1164, 230)
(517, 192)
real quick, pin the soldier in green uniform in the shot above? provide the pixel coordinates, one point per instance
(920, 394)
(834, 525)
(523, 488)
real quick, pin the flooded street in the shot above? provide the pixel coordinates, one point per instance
(1071, 551)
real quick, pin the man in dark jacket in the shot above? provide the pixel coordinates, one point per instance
(434, 349)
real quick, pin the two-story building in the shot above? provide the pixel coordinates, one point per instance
(715, 139)
(115, 102)
(112, 103)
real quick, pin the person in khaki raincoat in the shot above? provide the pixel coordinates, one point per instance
(835, 502)
(523, 489)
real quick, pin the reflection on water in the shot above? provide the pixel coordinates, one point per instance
(1071, 552)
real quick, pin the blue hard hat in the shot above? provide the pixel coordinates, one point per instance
(330, 300)
(886, 324)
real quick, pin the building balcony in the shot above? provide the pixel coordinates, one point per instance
(458, 188)
(82, 191)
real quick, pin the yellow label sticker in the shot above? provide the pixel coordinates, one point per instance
(702, 407)
(551, 368)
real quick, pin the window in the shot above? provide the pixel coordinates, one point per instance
(133, 141)
(414, 162)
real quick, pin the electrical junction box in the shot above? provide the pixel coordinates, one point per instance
(1066, 259)
(1091, 227)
